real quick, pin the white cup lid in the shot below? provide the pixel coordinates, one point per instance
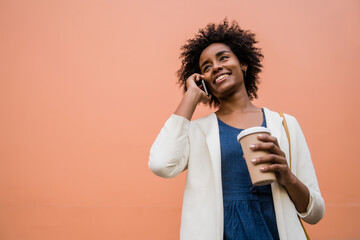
(252, 130)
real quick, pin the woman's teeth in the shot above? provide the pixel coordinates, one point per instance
(221, 77)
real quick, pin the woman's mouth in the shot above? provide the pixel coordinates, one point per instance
(221, 78)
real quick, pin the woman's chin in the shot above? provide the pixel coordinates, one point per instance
(225, 88)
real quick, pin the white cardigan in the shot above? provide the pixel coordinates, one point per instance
(195, 146)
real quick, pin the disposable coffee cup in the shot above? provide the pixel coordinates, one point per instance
(249, 137)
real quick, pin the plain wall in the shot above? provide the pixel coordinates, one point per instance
(85, 87)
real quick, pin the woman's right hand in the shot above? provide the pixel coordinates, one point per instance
(191, 85)
(193, 95)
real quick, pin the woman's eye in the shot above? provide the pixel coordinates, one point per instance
(223, 58)
(206, 68)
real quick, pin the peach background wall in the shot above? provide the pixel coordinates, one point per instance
(85, 87)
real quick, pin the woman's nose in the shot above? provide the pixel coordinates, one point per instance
(217, 67)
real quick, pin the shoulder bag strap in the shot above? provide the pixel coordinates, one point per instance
(288, 137)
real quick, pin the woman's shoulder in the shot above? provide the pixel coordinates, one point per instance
(205, 123)
(278, 114)
(291, 121)
(205, 119)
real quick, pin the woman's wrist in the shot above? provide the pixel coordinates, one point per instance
(194, 95)
(292, 180)
(188, 103)
(298, 193)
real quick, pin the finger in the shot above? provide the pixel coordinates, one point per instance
(267, 146)
(280, 168)
(193, 77)
(269, 158)
(192, 80)
(197, 80)
(197, 77)
(268, 138)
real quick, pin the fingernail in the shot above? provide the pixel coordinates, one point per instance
(262, 168)
(260, 135)
(252, 146)
(253, 160)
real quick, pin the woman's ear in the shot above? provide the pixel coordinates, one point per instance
(243, 67)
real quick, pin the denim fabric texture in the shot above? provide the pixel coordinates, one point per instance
(248, 210)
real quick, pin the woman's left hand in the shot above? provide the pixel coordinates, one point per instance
(276, 158)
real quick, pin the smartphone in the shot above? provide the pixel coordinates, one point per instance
(202, 82)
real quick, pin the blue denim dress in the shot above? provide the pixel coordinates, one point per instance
(248, 210)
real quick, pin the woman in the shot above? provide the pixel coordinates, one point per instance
(219, 199)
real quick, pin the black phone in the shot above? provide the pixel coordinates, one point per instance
(202, 82)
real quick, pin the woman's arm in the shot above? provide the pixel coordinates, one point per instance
(170, 152)
(303, 168)
(302, 186)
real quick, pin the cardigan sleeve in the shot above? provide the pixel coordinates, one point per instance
(170, 152)
(303, 168)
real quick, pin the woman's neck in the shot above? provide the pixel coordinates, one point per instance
(240, 104)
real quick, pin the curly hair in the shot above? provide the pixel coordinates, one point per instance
(241, 42)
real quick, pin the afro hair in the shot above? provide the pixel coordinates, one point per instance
(241, 42)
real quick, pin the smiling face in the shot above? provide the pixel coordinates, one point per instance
(222, 70)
